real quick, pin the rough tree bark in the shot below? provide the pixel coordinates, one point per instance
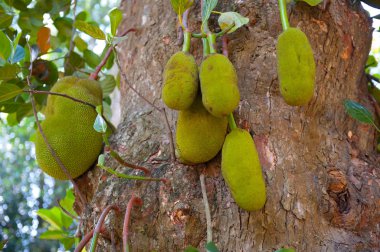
(322, 173)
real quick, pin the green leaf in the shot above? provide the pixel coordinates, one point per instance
(8, 91)
(74, 63)
(311, 2)
(91, 58)
(227, 19)
(100, 124)
(371, 61)
(208, 7)
(108, 84)
(6, 46)
(54, 235)
(180, 6)
(9, 72)
(358, 112)
(117, 40)
(285, 250)
(5, 19)
(82, 16)
(111, 58)
(64, 27)
(191, 249)
(90, 29)
(101, 159)
(115, 16)
(211, 247)
(9, 106)
(2, 243)
(69, 242)
(80, 43)
(68, 202)
(52, 216)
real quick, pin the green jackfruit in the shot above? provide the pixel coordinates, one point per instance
(68, 127)
(296, 67)
(241, 170)
(180, 81)
(219, 85)
(199, 135)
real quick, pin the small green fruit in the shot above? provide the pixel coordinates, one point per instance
(180, 81)
(219, 85)
(241, 170)
(199, 135)
(68, 127)
(296, 67)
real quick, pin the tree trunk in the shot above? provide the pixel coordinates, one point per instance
(321, 169)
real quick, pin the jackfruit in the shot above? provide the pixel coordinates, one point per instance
(219, 85)
(180, 81)
(296, 67)
(241, 170)
(68, 127)
(199, 135)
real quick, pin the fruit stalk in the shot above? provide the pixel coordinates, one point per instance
(283, 14)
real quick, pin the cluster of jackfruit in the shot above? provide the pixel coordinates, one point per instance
(296, 67)
(68, 127)
(202, 120)
(202, 123)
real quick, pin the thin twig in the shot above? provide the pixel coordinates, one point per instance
(71, 48)
(207, 208)
(133, 201)
(32, 91)
(67, 212)
(116, 156)
(100, 224)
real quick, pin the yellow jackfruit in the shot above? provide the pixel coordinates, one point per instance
(199, 135)
(180, 81)
(241, 170)
(68, 127)
(219, 85)
(296, 67)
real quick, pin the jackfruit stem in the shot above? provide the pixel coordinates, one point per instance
(206, 48)
(186, 41)
(283, 14)
(212, 42)
(231, 121)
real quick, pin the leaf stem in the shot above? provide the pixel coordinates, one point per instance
(133, 201)
(283, 14)
(206, 48)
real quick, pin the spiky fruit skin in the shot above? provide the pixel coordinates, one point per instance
(199, 135)
(219, 85)
(68, 127)
(180, 81)
(241, 170)
(296, 67)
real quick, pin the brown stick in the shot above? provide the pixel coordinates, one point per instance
(133, 201)
(32, 91)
